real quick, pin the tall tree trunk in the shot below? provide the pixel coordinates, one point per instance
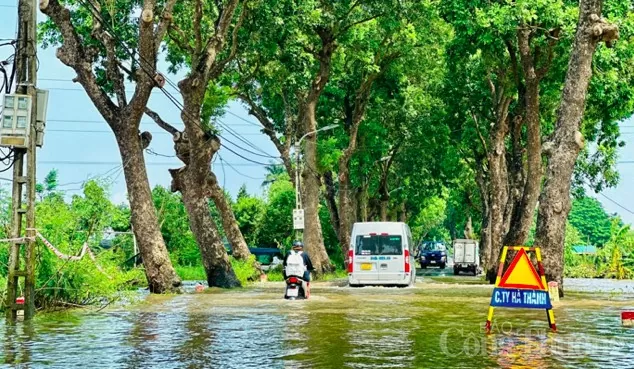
(522, 217)
(403, 213)
(239, 248)
(159, 271)
(384, 207)
(124, 117)
(363, 202)
(331, 202)
(345, 206)
(567, 140)
(498, 186)
(313, 238)
(214, 257)
(485, 229)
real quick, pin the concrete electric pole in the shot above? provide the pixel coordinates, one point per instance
(20, 132)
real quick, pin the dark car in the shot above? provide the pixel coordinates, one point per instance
(432, 253)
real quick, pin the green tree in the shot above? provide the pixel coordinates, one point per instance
(429, 221)
(276, 227)
(590, 219)
(249, 211)
(175, 227)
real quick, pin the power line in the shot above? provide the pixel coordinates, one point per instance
(242, 174)
(617, 204)
(82, 90)
(244, 119)
(104, 122)
(234, 133)
(78, 162)
(152, 152)
(152, 132)
(252, 161)
(96, 14)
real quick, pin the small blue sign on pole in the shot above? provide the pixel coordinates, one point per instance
(516, 298)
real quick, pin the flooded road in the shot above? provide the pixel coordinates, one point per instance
(430, 325)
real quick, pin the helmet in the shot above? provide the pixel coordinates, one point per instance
(298, 244)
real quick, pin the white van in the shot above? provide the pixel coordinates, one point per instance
(380, 253)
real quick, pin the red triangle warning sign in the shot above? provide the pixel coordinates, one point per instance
(521, 274)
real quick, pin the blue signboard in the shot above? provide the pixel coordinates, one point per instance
(516, 298)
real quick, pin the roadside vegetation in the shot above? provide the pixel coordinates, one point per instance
(477, 119)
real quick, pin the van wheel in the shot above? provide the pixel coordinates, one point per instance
(456, 271)
(442, 266)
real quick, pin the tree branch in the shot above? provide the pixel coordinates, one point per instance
(160, 122)
(198, 37)
(346, 28)
(147, 61)
(180, 39)
(219, 67)
(112, 69)
(262, 117)
(514, 64)
(217, 41)
(166, 21)
(541, 72)
(477, 126)
(73, 54)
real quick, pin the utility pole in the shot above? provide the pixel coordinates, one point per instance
(298, 212)
(27, 79)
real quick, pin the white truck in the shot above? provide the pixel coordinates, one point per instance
(466, 256)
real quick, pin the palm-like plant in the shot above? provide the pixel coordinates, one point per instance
(274, 173)
(621, 241)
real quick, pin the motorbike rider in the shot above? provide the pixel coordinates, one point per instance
(298, 248)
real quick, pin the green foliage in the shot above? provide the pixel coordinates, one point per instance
(428, 224)
(588, 216)
(67, 225)
(614, 260)
(174, 224)
(276, 228)
(244, 269)
(191, 273)
(620, 245)
(248, 212)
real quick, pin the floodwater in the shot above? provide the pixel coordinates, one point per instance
(430, 325)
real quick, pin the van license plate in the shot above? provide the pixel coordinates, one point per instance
(366, 266)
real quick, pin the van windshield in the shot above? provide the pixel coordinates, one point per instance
(379, 245)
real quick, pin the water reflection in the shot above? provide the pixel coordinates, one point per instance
(140, 338)
(337, 328)
(17, 345)
(200, 335)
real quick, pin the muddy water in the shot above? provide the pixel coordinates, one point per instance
(430, 325)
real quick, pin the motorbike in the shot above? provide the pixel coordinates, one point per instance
(294, 288)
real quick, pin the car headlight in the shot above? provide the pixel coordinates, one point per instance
(422, 258)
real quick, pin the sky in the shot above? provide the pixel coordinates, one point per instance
(80, 145)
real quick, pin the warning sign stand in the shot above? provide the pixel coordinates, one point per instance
(521, 286)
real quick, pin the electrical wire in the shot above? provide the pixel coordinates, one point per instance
(234, 133)
(152, 152)
(152, 132)
(224, 176)
(244, 175)
(180, 106)
(617, 204)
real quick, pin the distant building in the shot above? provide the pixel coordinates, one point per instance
(584, 250)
